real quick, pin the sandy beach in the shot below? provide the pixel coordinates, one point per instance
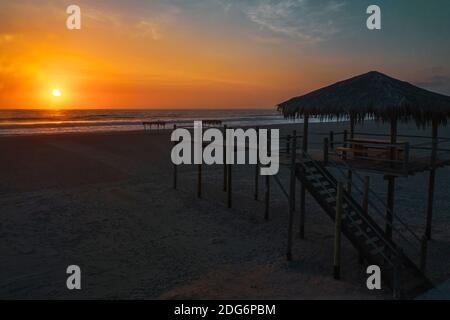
(105, 202)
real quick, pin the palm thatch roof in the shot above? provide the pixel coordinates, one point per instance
(373, 95)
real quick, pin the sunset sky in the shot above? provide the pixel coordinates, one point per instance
(211, 53)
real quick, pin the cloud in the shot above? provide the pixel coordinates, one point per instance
(304, 19)
(145, 24)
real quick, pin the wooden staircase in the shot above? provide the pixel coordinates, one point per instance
(365, 234)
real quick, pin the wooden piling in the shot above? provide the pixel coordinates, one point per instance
(229, 186)
(365, 199)
(423, 254)
(391, 183)
(292, 196)
(344, 154)
(199, 173)
(365, 205)
(397, 293)
(332, 140)
(337, 233)
(257, 165)
(267, 178)
(432, 180)
(225, 175)
(175, 167)
(349, 181)
(390, 206)
(303, 189)
(352, 136)
(325, 151)
(267, 198)
(199, 181)
(288, 144)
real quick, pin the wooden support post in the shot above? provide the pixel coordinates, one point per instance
(344, 154)
(390, 206)
(406, 158)
(432, 180)
(352, 136)
(292, 196)
(225, 167)
(199, 181)
(349, 181)
(423, 254)
(256, 182)
(352, 126)
(303, 189)
(391, 183)
(175, 167)
(257, 165)
(288, 144)
(267, 198)
(325, 151)
(365, 200)
(267, 195)
(199, 172)
(365, 205)
(332, 140)
(397, 294)
(337, 233)
(229, 185)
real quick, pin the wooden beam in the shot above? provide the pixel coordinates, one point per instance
(432, 180)
(199, 172)
(267, 195)
(199, 181)
(325, 151)
(337, 233)
(391, 183)
(349, 172)
(349, 181)
(365, 205)
(303, 189)
(257, 165)
(229, 186)
(225, 167)
(292, 196)
(175, 167)
(423, 254)
(352, 126)
(332, 140)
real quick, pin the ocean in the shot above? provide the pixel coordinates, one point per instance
(29, 122)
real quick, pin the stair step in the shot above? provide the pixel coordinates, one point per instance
(360, 233)
(315, 177)
(349, 215)
(324, 182)
(373, 241)
(328, 192)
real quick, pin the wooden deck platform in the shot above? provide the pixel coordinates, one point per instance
(413, 166)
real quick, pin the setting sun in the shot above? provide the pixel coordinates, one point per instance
(56, 93)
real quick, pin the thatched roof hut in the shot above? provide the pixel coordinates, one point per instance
(372, 95)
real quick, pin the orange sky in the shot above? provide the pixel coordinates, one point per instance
(131, 54)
